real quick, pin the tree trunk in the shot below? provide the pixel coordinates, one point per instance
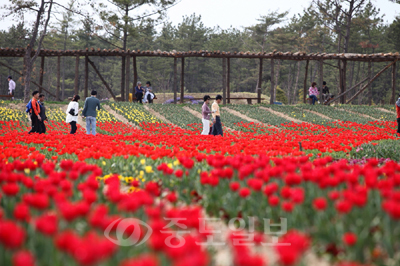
(272, 98)
(297, 83)
(288, 94)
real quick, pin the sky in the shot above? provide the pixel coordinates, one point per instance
(235, 13)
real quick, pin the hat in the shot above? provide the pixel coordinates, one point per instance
(9, 77)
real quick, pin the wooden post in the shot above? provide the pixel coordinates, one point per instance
(58, 77)
(41, 74)
(102, 79)
(370, 81)
(369, 78)
(175, 85)
(344, 79)
(259, 81)
(123, 69)
(135, 76)
(182, 79)
(86, 94)
(224, 81)
(272, 99)
(127, 76)
(321, 75)
(76, 83)
(393, 99)
(305, 82)
(228, 80)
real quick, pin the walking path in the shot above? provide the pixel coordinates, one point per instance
(245, 117)
(360, 114)
(283, 115)
(198, 115)
(158, 115)
(316, 113)
(384, 110)
(119, 117)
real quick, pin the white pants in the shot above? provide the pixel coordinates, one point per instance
(206, 126)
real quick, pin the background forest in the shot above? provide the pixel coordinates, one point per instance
(354, 26)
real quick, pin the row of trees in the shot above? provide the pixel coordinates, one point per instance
(348, 26)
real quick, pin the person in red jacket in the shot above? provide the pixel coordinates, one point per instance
(35, 113)
(398, 114)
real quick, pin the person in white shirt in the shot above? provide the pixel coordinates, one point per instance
(72, 113)
(11, 87)
(217, 126)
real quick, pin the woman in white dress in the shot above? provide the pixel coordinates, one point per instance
(72, 113)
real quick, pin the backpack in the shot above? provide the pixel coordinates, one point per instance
(29, 107)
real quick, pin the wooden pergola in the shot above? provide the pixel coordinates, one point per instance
(391, 58)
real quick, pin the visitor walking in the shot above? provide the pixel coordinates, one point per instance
(72, 113)
(217, 126)
(139, 90)
(42, 114)
(398, 114)
(92, 104)
(11, 87)
(313, 92)
(149, 96)
(206, 115)
(34, 111)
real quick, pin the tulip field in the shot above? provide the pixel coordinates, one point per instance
(144, 192)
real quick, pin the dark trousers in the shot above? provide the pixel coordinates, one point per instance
(139, 96)
(42, 127)
(73, 127)
(35, 124)
(149, 100)
(217, 127)
(398, 125)
(313, 98)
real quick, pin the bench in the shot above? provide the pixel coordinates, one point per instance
(6, 96)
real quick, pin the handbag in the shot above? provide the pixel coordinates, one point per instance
(72, 111)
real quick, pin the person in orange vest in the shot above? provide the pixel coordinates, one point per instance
(398, 114)
(35, 113)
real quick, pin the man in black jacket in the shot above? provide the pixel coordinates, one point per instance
(42, 126)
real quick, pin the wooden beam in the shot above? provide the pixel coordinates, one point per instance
(175, 85)
(135, 75)
(76, 83)
(376, 76)
(33, 82)
(228, 80)
(58, 77)
(101, 78)
(355, 86)
(305, 83)
(259, 81)
(224, 81)
(344, 76)
(86, 94)
(182, 79)
(127, 77)
(272, 99)
(393, 99)
(41, 73)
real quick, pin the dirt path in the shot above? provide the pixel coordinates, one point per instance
(245, 117)
(156, 114)
(80, 120)
(283, 115)
(20, 106)
(198, 115)
(360, 114)
(384, 110)
(118, 116)
(316, 113)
